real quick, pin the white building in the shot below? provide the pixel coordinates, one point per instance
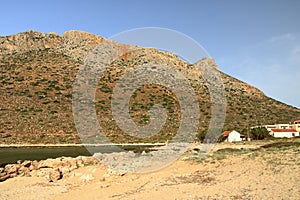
(281, 133)
(278, 126)
(232, 136)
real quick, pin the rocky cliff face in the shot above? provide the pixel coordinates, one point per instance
(75, 44)
(36, 84)
(28, 41)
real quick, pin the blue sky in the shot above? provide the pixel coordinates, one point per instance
(256, 41)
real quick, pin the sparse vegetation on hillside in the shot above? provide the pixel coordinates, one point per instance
(36, 94)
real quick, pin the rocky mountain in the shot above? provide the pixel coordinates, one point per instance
(37, 79)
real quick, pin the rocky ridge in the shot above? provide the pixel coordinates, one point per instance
(75, 44)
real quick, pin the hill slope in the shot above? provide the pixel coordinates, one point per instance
(37, 76)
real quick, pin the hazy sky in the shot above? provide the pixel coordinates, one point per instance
(256, 41)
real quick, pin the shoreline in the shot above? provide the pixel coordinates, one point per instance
(78, 145)
(245, 144)
(39, 145)
(251, 174)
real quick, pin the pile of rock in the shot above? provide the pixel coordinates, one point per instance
(51, 169)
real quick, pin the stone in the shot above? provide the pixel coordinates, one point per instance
(55, 175)
(51, 169)
(43, 172)
(79, 161)
(26, 163)
(64, 170)
(4, 176)
(67, 165)
(50, 174)
(64, 164)
(33, 165)
(11, 168)
(89, 160)
(49, 163)
(23, 171)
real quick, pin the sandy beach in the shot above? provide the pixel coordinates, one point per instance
(271, 173)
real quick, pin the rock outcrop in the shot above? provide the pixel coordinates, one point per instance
(51, 169)
(75, 44)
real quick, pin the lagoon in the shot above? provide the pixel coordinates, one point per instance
(11, 154)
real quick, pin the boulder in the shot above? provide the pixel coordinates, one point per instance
(79, 161)
(55, 175)
(63, 164)
(11, 168)
(50, 174)
(67, 165)
(26, 163)
(49, 163)
(34, 165)
(58, 163)
(4, 176)
(23, 171)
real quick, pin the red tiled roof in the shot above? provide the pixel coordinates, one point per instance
(227, 132)
(283, 130)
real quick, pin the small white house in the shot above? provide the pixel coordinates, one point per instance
(281, 133)
(232, 136)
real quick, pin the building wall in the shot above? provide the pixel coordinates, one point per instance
(284, 134)
(297, 127)
(234, 136)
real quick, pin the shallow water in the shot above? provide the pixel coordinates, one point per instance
(13, 154)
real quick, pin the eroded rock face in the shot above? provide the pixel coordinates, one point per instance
(51, 169)
(75, 44)
(28, 41)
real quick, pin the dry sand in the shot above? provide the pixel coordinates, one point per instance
(264, 174)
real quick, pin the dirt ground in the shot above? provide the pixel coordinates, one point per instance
(268, 173)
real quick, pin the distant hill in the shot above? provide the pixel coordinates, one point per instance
(36, 84)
